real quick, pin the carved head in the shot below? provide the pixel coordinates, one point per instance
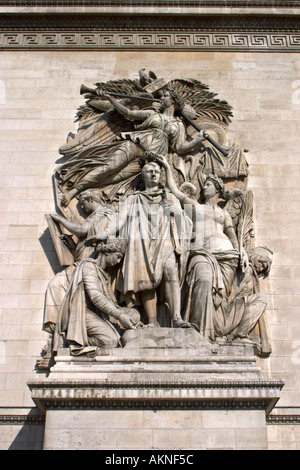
(112, 249)
(151, 173)
(218, 184)
(189, 189)
(89, 200)
(171, 97)
(262, 258)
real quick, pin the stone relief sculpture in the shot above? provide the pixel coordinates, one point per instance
(89, 309)
(150, 168)
(157, 248)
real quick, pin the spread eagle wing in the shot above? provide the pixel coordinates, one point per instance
(103, 130)
(99, 123)
(204, 102)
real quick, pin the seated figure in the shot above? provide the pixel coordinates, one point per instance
(245, 320)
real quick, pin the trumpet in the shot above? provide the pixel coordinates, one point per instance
(84, 89)
(94, 91)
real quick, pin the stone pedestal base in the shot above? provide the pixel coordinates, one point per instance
(162, 390)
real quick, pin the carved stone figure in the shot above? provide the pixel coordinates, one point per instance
(245, 318)
(214, 255)
(159, 131)
(86, 316)
(190, 242)
(113, 133)
(99, 215)
(156, 250)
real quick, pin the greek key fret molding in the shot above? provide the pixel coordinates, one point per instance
(151, 41)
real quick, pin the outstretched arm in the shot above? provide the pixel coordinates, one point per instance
(80, 230)
(138, 115)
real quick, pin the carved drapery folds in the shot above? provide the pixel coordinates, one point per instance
(155, 224)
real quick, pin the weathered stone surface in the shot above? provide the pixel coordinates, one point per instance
(263, 85)
(179, 338)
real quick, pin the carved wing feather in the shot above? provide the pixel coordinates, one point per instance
(103, 130)
(124, 86)
(197, 95)
(234, 206)
(240, 207)
(245, 230)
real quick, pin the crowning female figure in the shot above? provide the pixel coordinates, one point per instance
(105, 164)
(214, 256)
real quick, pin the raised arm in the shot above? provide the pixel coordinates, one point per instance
(183, 198)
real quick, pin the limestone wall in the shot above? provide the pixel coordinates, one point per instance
(39, 95)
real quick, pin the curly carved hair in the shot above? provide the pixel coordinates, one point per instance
(219, 185)
(115, 245)
(178, 101)
(94, 194)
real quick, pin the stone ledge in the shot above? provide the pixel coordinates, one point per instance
(201, 6)
(146, 374)
(240, 394)
(283, 419)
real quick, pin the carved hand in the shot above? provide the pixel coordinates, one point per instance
(162, 160)
(126, 321)
(103, 95)
(244, 260)
(202, 136)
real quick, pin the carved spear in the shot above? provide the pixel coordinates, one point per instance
(84, 89)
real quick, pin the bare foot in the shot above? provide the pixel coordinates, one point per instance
(68, 196)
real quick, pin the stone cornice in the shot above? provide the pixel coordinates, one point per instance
(283, 419)
(250, 4)
(39, 419)
(205, 394)
(144, 23)
(20, 420)
(156, 25)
